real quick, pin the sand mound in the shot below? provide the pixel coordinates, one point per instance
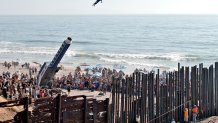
(8, 113)
(213, 119)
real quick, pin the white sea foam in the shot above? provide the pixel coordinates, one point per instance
(106, 57)
(167, 56)
(5, 42)
(70, 53)
(112, 60)
(147, 65)
(28, 50)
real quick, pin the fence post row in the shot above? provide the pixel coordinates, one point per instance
(216, 87)
(155, 98)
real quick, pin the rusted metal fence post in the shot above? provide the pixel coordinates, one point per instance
(200, 89)
(216, 87)
(206, 93)
(177, 95)
(127, 107)
(94, 111)
(146, 95)
(26, 114)
(171, 95)
(85, 109)
(107, 106)
(167, 97)
(58, 110)
(182, 95)
(211, 96)
(122, 101)
(157, 96)
(179, 92)
(203, 107)
(113, 100)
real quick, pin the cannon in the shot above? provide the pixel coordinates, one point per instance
(49, 69)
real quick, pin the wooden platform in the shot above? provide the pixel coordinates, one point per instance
(8, 113)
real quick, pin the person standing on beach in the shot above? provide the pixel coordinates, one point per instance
(186, 115)
(23, 88)
(68, 89)
(4, 92)
(173, 121)
(34, 93)
(5, 64)
(1, 84)
(9, 65)
(194, 113)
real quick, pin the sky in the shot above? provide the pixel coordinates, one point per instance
(108, 7)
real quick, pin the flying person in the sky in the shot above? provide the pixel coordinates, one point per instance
(96, 2)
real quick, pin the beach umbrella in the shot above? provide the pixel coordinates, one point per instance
(119, 66)
(88, 69)
(99, 66)
(97, 74)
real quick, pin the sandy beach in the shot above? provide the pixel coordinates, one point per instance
(24, 70)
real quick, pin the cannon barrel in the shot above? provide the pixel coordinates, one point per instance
(49, 69)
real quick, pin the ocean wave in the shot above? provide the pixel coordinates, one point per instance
(112, 60)
(81, 54)
(139, 64)
(45, 51)
(8, 43)
(54, 41)
(60, 42)
(29, 50)
(167, 56)
(5, 42)
(41, 41)
(26, 52)
(136, 64)
(106, 57)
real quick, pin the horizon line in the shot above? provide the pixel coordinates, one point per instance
(158, 14)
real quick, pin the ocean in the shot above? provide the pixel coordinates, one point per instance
(121, 42)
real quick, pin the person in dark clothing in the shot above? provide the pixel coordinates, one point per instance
(68, 89)
(86, 84)
(23, 87)
(4, 92)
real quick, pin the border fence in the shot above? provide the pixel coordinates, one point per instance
(158, 98)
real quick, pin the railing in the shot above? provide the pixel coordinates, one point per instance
(75, 109)
(21, 116)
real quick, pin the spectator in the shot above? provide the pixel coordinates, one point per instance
(194, 113)
(186, 115)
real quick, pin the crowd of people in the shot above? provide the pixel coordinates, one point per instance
(13, 85)
(99, 79)
(17, 85)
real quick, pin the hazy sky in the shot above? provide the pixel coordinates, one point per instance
(78, 7)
